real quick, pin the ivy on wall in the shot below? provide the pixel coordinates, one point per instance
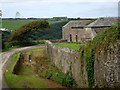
(90, 66)
(101, 41)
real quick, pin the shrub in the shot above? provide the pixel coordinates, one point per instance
(63, 78)
(20, 33)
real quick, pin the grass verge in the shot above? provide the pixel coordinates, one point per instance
(37, 73)
(31, 80)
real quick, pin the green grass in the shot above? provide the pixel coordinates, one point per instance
(13, 24)
(26, 79)
(36, 74)
(72, 45)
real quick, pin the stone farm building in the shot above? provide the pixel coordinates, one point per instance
(79, 31)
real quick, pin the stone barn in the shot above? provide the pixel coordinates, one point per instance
(98, 26)
(74, 30)
(79, 31)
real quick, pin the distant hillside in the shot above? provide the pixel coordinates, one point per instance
(13, 24)
(54, 32)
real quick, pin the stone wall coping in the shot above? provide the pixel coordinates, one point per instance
(62, 48)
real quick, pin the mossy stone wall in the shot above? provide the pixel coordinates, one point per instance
(89, 67)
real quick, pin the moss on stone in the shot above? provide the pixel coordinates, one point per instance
(100, 42)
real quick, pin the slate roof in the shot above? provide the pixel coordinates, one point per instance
(104, 22)
(77, 23)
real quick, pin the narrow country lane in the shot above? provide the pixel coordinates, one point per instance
(6, 58)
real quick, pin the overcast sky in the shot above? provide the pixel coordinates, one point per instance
(52, 8)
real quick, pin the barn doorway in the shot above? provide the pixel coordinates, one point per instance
(70, 38)
(76, 38)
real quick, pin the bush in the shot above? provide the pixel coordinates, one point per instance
(62, 78)
(47, 69)
(20, 33)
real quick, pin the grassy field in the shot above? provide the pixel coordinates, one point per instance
(13, 24)
(39, 73)
(72, 45)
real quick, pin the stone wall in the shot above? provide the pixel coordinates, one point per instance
(78, 33)
(89, 33)
(68, 61)
(98, 29)
(106, 64)
(66, 33)
(83, 34)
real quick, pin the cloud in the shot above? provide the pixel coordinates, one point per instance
(70, 9)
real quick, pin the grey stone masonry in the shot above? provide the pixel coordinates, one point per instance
(106, 64)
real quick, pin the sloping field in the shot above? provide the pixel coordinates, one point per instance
(13, 24)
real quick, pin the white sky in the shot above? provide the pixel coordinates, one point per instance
(60, 0)
(51, 8)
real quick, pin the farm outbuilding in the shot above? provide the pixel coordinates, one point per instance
(81, 31)
(74, 31)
